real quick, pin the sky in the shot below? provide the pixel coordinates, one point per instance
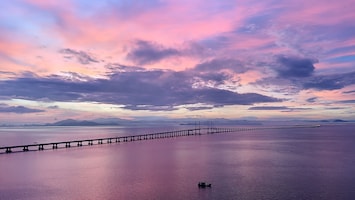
(152, 59)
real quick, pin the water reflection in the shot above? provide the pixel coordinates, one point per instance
(273, 164)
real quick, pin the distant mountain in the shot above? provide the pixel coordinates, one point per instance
(162, 121)
(118, 121)
(111, 121)
(332, 121)
(339, 120)
(223, 121)
(72, 122)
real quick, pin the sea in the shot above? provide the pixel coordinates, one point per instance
(286, 164)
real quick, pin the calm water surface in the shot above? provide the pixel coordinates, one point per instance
(307, 163)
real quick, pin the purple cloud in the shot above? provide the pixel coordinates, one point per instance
(348, 92)
(280, 108)
(7, 73)
(81, 56)
(195, 108)
(146, 52)
(269, 108)
(347, 101)
(116, 67)
(149, 107)
(53, 107)
(137, 90)
(297, 74)
(291, 67)
(337, 108)
(329, 82)
(312, 100)
(220, 64)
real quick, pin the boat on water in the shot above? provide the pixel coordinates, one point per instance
(204, 184)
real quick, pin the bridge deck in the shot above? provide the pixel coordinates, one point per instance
(131, 138)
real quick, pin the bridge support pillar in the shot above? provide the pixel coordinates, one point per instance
(8, 150)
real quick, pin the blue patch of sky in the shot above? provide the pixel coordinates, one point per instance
(24, 21)
(342, 59)
(122, 8)
(129, 7)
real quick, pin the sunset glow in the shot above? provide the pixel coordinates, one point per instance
(238, 59)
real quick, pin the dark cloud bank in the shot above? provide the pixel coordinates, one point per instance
(136, 90)
(329, 82)
(299, 73)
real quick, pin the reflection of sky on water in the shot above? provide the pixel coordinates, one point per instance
(271, 164)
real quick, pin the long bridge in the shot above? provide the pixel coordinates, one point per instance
(131, 138)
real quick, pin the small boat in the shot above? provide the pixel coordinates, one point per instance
(204, 185)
